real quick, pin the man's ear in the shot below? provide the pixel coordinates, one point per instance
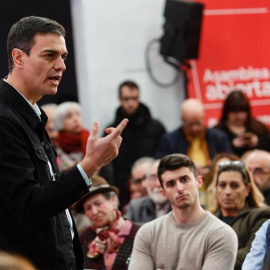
(162, 191)
(18, 57)
(200, 181)
(115, 202)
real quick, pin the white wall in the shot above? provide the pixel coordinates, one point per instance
(110, 39)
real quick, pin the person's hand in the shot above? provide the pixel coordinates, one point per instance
(238, 142)
(252, 140)
(100, 151)
(246, 140)
(201, 170)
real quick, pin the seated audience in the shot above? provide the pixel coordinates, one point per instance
(259, 255)
(136, 184)
(240, 205)
(244, 131)
(258, 163)
(208, 191)
(71, 145)
(193, 138)
(188, 237)
(72, 138)
(139, 170)
(145, 209)
(108, 242)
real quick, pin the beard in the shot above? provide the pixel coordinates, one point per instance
(156, 196)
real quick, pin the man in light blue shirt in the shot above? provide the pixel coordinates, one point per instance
(256, 257)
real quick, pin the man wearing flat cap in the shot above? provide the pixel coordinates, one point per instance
(108, 242)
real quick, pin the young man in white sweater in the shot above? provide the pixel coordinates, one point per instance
(187, 238)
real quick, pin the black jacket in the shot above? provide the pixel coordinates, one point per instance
(142, 210)
(33, 222)
(140, 138)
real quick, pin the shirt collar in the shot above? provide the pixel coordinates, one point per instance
(34, 107)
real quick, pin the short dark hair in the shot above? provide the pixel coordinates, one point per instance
(22, 34)
(129, 84)
(173, 162)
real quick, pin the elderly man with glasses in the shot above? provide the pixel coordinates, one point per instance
(194, 138)
(258, 163)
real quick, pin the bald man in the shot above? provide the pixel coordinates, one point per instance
(195, 140)
(258, 163)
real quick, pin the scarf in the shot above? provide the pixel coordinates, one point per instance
(106, 238)
(70, 142)
(198, 149)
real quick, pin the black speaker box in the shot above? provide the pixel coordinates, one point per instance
(182, 29)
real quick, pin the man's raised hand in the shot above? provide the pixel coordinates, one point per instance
(101, 151)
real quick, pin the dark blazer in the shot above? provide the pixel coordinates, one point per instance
(142, 210)
(246, 224)
(176, 142)
(122, 258)
(33, 222)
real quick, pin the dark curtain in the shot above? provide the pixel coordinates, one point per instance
(12, 11)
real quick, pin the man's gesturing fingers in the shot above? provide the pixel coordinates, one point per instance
(101, 151)
(94, 131)
(119, 129)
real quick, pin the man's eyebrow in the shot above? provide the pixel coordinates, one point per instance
(183, 176)
(54, 52)
(49, 51)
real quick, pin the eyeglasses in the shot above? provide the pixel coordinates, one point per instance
(191, 125)
(259, 171)
(138, 180)
(235, 163)
(130, 98)
(152, 177)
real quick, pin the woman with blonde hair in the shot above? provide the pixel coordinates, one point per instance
(208, 198)
(240, 205)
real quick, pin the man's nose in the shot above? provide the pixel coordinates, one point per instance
(60, 64)
(228, 189)
(94, 210)
(180, 187)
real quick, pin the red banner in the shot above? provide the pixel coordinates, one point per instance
(234, 54)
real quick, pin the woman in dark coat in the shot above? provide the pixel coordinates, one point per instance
(244, 131)
(240, 205)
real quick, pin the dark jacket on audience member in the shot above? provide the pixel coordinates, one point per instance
(261, 131)
(246, 224)
(140, 138)
(122, 256)
(33, 222)
(142, 210)
(176, 142)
